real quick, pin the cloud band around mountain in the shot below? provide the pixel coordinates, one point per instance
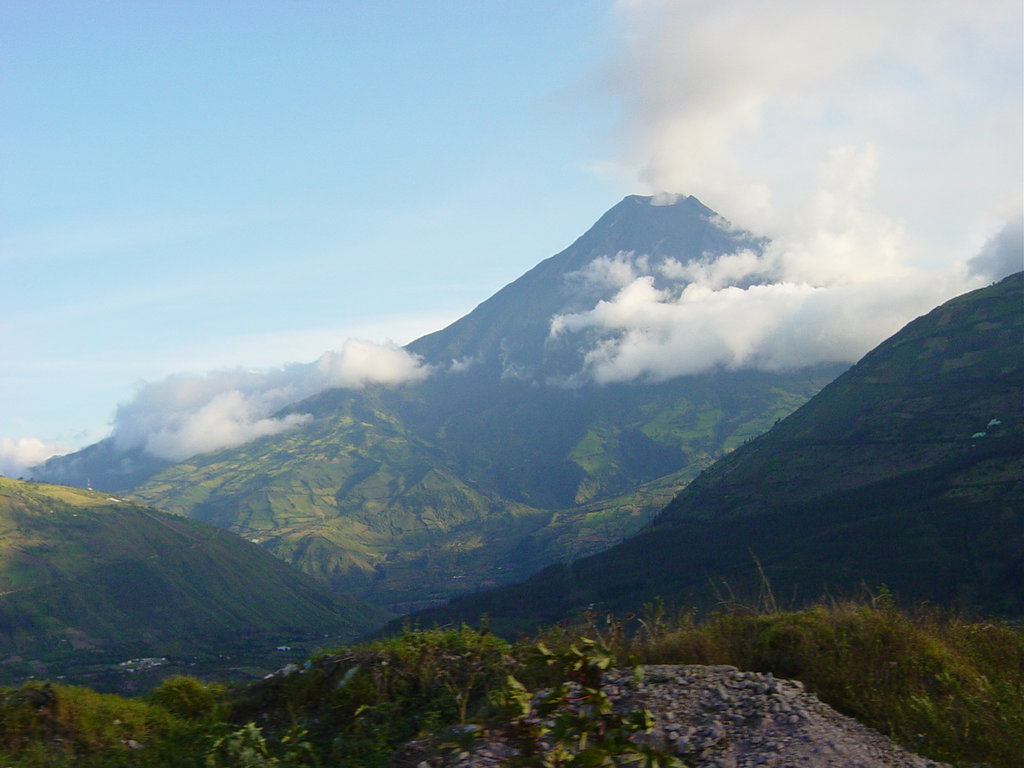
(184, 415)
(828, 298)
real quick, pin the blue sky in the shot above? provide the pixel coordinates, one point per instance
(182, 178)
(194, 186)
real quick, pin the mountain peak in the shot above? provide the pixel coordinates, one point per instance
(664, 200)
(675, 226)
(509, 332)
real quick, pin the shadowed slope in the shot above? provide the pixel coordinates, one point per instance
(908, 470)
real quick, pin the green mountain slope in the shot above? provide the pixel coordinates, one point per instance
(407, 497)
(500, 462)
(907, 471)
(89, 573)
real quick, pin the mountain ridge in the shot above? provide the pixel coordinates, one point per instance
(932, 506)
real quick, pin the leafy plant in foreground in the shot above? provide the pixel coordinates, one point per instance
(573, 724)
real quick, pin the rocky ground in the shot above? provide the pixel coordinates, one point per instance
(719, 717)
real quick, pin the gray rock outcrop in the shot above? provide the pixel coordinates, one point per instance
(720, 717)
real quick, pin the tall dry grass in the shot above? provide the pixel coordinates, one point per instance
(942, 685)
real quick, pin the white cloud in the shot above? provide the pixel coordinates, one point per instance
(462, 364)
(1003, 254)
(228, 419)
(361, 362)
(739, 101)
(183, 415)
(723, 271)
(839, 236)
(651, 334)
(18, 454)
(876, 144)
(840, 284)
(606, 272)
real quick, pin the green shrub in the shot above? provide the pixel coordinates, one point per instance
(359, 704)
(466, 662)
(243, 747)
(44, 725)
(191, 699)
